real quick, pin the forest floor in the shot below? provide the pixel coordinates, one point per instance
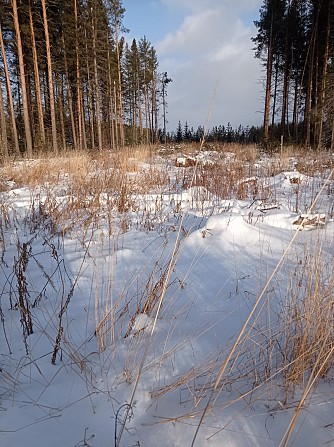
(167, 297)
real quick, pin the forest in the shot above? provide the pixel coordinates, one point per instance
(295, 41)
(70, 80)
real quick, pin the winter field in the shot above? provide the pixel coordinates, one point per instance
(168, 297)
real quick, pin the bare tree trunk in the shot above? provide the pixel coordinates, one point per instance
(51, 91)
(91, 108)
(120, 106)
(96, 82)
(140, 114)
(156, 124)
(309, 93)
(147, 116)
(115, 110)
(323, 81)
(275, 95)
(3, 128)
(112, 122)
(70, 102)
(90, 99)
(81, 120)
(111, 111)
(37, 82)
(154, 111)
(268, 84)
(60, 96)
(26, 117)
(295, 110)
(9, 97)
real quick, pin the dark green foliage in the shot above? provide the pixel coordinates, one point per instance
(96, 87)
(295, 41)
(218, 134)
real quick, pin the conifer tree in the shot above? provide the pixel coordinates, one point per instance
(9, 96)
(26, 118)
(50, 79)
(3, 129)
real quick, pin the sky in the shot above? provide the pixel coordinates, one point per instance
(205, 47)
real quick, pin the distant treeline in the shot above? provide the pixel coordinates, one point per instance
(222, 134)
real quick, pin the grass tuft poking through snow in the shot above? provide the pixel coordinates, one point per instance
(172, 297)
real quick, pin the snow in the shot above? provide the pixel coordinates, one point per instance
(99, 277)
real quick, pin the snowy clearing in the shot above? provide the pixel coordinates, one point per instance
(127, 284)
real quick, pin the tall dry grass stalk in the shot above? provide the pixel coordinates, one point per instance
(79, 194)
(219, 384)
(307, 318)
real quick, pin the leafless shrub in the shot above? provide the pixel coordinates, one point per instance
(23, 304)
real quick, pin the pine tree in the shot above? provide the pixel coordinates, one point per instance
(179, 133)
(50, 80)
(9, 96)
(41, 134)
(165, 80)
(269, 47)
(26, 118)
(3, 128)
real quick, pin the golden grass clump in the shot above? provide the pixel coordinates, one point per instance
(308, 319)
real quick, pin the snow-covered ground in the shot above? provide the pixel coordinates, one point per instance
(122, 325)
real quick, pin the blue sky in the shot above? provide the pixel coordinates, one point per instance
(205, 47)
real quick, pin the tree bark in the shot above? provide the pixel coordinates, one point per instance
(111, 110)
(9, 96)
(50, 80)
(96, 85)
(90, 101)
(60, 96)
(3, 128)
(268, 84)
(69, 95)
(120, 100)
(82, 143)
(323, 81)
(37, 82)
(115, 113)
(26, 117)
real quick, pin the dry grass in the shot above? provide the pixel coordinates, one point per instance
(307, 319)
(78, 194)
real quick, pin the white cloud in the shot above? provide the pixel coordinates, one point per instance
(188, 36)
(226, 52)
(212, 44)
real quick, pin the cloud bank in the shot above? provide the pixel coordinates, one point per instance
(210, 59)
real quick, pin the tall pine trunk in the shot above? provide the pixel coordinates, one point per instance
(96, 85)
(26, 117)
(111, 110)
(275, 94)
(309, 93)
(9, 97)
(322, 92)
(37, 82)
(120, 100)
(69, 96)
(82, 144)
(147, 116)
(268, 83)
(3, 129)
(115, 113)
(60, 96)
(50, 80)
(90, 103)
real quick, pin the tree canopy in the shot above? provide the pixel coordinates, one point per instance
(295, 41)
(68, 79)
